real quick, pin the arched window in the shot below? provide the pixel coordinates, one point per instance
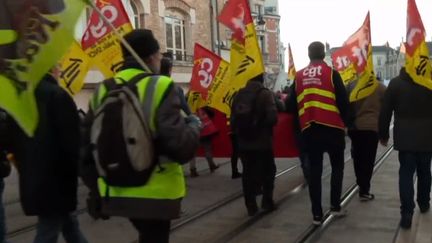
(175, 34)
(137, 17)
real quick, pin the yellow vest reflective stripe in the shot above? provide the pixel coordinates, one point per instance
(316, 97)
(316, 91)
(318, 104)
(166, 183)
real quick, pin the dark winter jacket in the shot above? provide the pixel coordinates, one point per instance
(47, 162)
(266, 113)
(411, 105)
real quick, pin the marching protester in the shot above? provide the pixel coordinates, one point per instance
(364, 138)
(322, 130)
(166, 69)
(208, 132)
(142, 180)
(412, 138)
(47, 164)
(253, 117)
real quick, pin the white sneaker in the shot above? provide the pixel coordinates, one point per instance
(339, 214)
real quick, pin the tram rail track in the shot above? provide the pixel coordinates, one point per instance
(251, 221)
(312, 231)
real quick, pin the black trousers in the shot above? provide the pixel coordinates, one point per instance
(317, 140)
(259, 168)
(152, 231)
(234, 154)
(363, 151)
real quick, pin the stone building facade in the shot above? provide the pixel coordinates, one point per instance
(179, 24)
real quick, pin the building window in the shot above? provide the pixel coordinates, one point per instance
(175, 35)
(379, 61)
(138, 14)
(258, 9)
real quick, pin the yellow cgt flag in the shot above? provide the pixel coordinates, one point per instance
(222, 91)
(195, 101)
(291, 66)
(246, 60)
(72, 69)
(417, 63)
(35, 35)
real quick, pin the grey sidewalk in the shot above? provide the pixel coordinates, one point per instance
(378, 220)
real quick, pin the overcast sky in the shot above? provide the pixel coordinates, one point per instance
(333, 21)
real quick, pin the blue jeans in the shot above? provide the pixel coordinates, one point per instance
(411, 162)
(2, 213)
(49, 227)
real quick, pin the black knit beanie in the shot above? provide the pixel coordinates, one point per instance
(259, 78)
(316, 51)
(142, 42)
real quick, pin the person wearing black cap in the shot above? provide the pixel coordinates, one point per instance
(321, 105)
(166, 69)
(150, 206)
(253, 116)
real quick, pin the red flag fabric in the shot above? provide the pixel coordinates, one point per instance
(206, 65)
(358, 44)
(415, 30)
(341, 59)
(236, 15)
(115, 13)
(417, 62)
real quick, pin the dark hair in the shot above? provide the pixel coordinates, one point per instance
(142, 42)
(258, 78)
(166, 64)
(316, 51)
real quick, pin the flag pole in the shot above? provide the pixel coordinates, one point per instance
(119, 36)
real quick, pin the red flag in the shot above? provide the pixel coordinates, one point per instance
(358, 73)
(415, 30)
(236, 15)
(341, 58)
(358, 44)
(206, 64)
(115, 13)
(417, 63)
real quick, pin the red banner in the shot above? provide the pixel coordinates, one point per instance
(97, 28)
(284, 145)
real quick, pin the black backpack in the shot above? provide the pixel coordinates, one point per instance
(244, 112)
(121, 139)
